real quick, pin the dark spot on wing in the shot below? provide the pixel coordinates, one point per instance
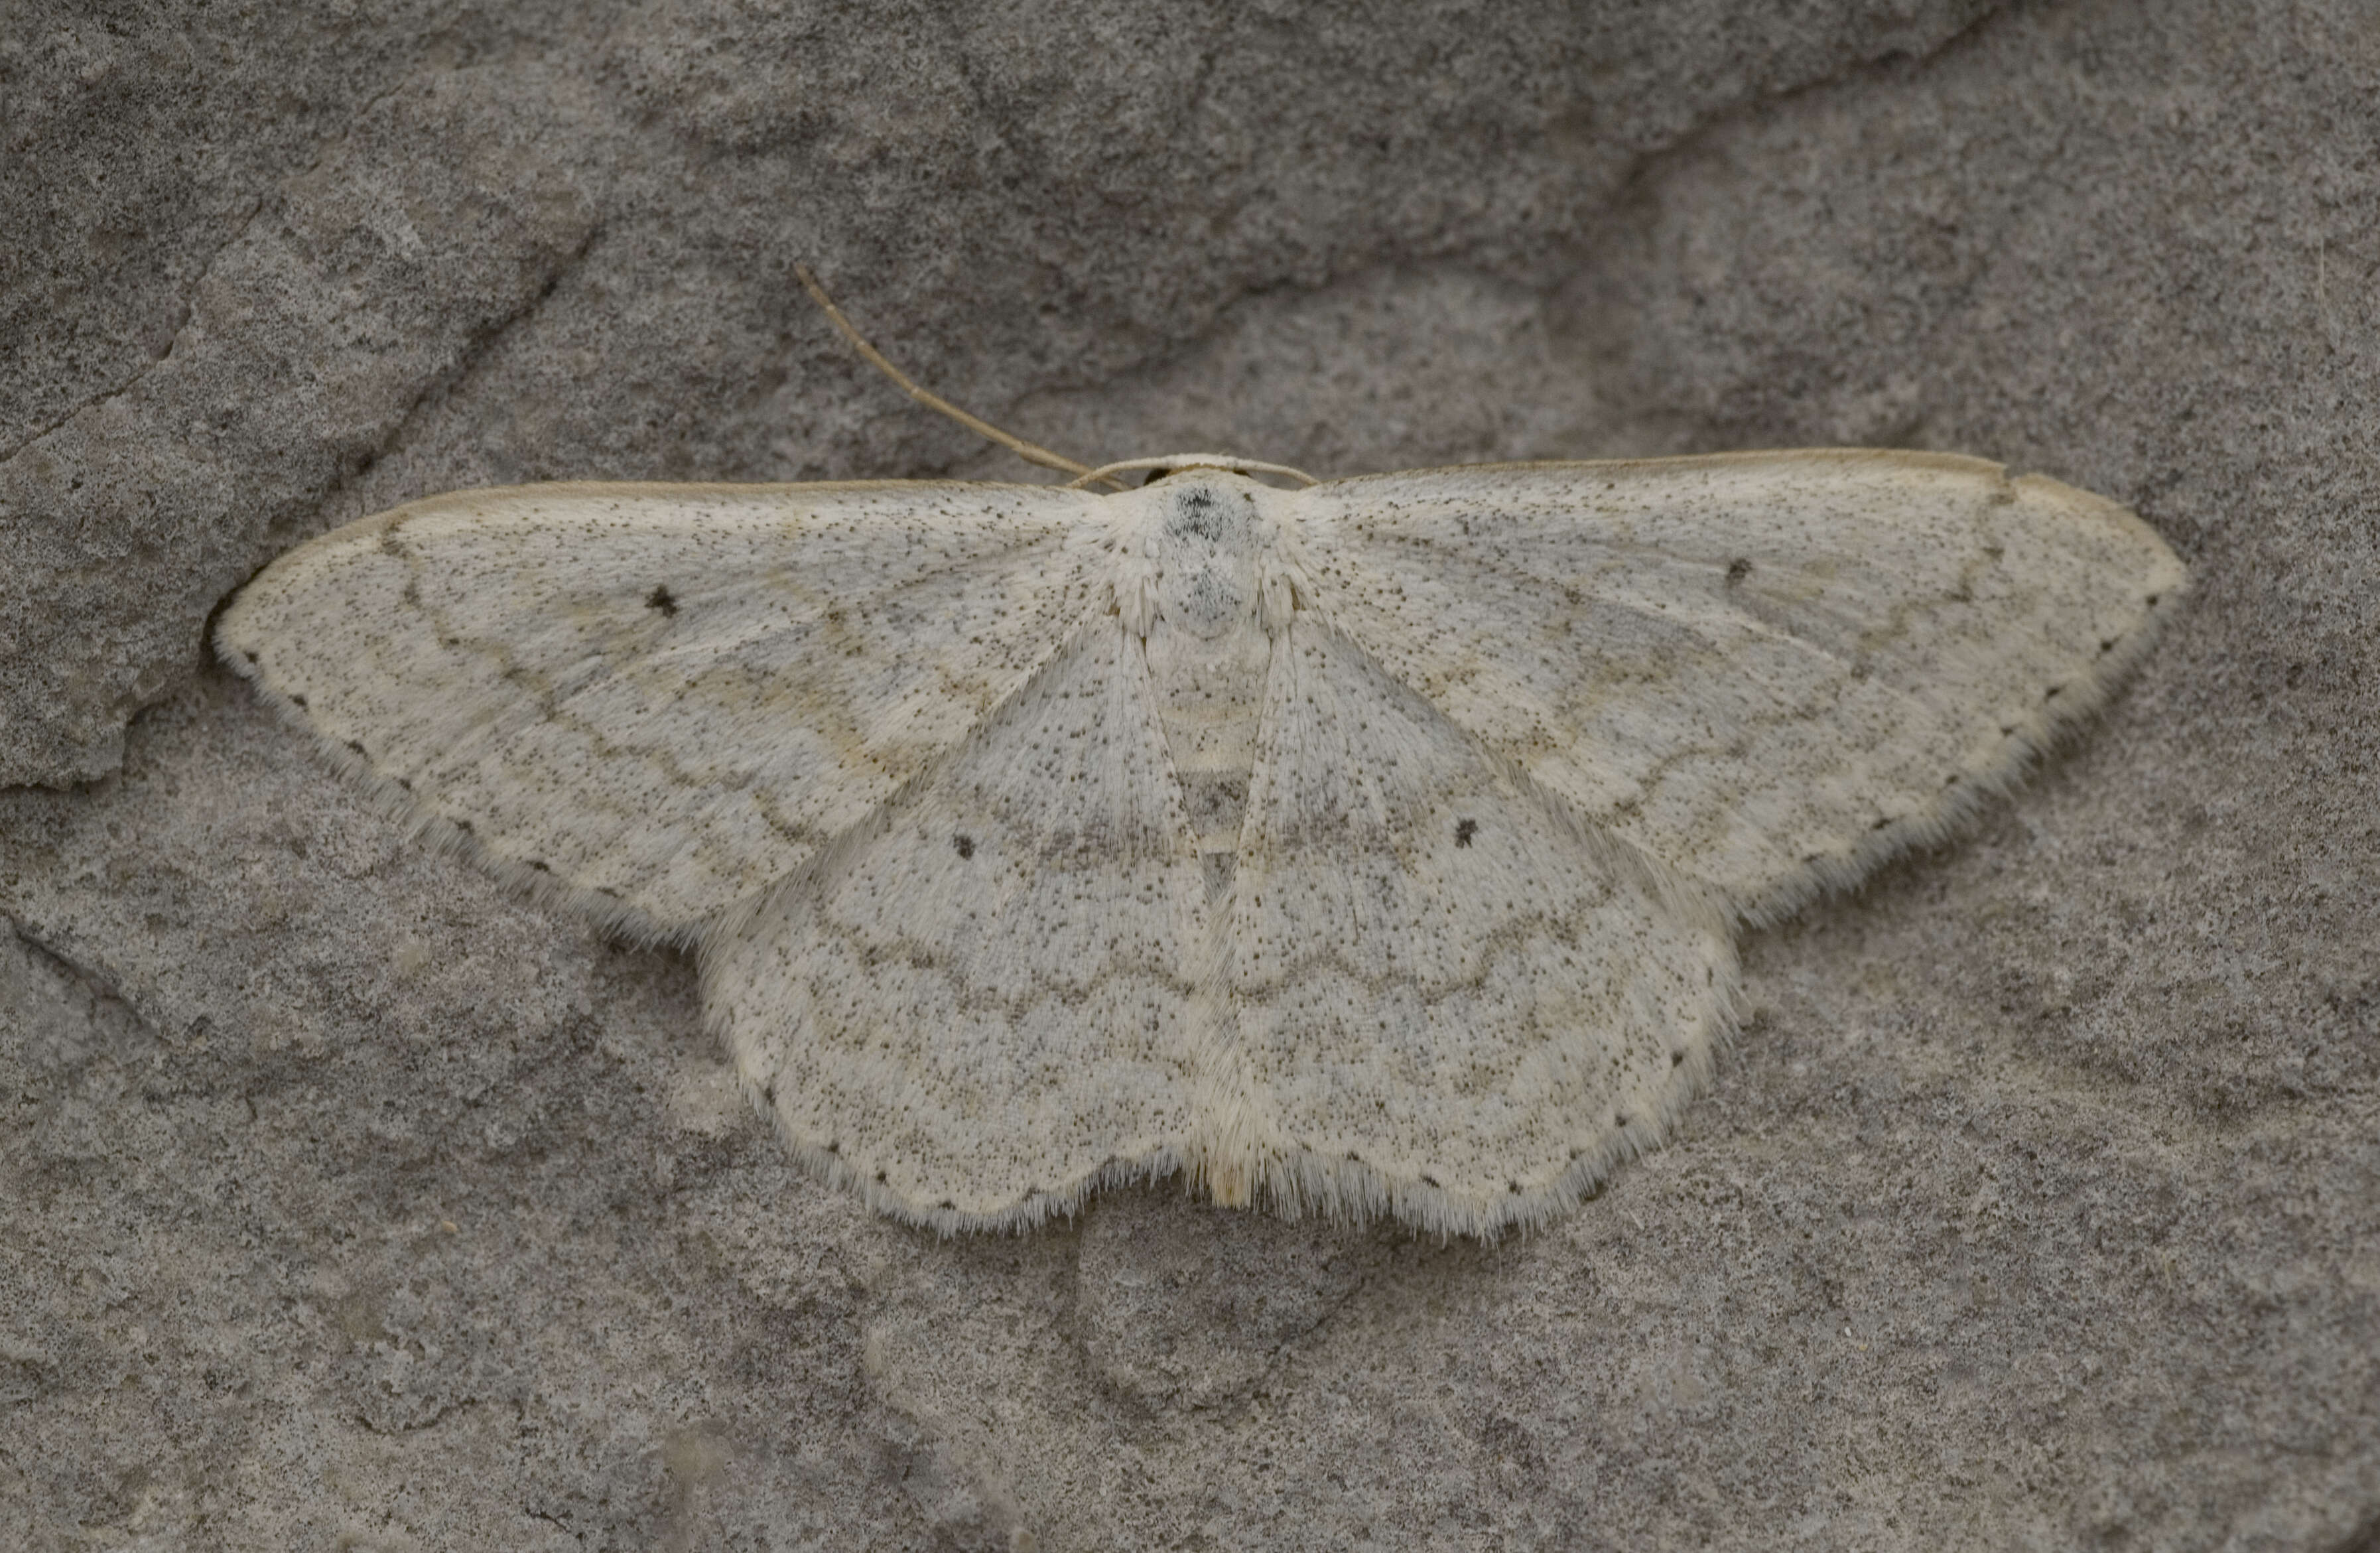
(356, 745)
(464, 825)
(298, 701)
(1737, 570)
(1513, 1185)
(2051, 694)
(835, 1146)
(249, 656)
(1620, 1119)
(1464, 831)
(539, 864)
(1429, 1181)
(947, 1205)
(1677, 1058)
(659, 599)
(879, 1178)
(962, 845)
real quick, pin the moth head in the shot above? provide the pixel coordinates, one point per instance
(1189, 463)
(1210, 509)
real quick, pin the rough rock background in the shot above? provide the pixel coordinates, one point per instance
(346, 1202)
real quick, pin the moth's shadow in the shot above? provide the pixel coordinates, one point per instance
(1178, 1303)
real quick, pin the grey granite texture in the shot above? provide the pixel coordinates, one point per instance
(347, 1202)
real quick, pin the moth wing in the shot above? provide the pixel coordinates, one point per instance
(1770, 670)
(1452, 1001)
(975, 1008)
(655, 701)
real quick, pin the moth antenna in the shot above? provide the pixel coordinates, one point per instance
(1031, 453)
(1193, 461)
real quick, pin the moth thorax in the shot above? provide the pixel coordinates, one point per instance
(1210, 545)
(1210, 549)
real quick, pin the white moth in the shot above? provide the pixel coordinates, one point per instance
(1374, 847)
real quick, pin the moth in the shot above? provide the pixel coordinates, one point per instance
(1370, 847)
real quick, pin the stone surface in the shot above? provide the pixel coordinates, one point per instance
(346, 1201)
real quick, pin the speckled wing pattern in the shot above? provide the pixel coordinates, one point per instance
(1373, 848)
(1451, 1000)
(1769, 671)
(652, 701)
(977, 1003)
